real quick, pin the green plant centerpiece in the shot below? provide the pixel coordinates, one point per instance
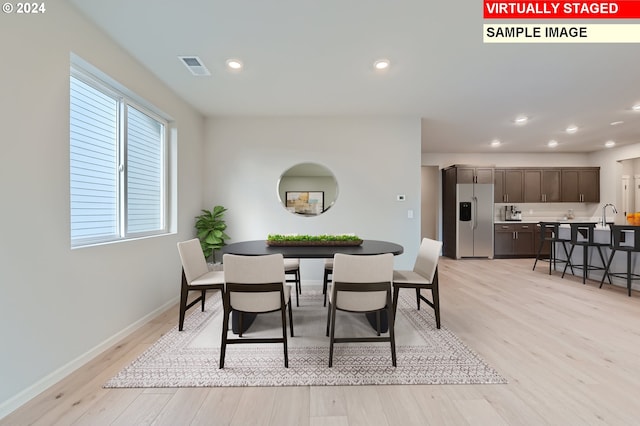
(313, 240)
(210, 226)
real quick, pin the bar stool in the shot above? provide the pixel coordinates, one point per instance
(582, 234)
(624, 238)
(549, 233)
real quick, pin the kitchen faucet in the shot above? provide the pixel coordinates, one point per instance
(604, 213)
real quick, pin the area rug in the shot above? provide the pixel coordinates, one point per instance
(425, 355)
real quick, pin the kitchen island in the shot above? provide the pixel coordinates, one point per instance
(602, 234)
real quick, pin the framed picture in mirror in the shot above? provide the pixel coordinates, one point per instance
(306, 203)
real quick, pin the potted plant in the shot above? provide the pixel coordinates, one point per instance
(210, 226)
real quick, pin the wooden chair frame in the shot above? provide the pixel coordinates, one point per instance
(435, 295)
(255, 288)
(184, 296)
(360, 287)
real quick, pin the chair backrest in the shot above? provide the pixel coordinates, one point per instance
(192, 258)
(427, 259)
(625, 237)
(549, 230)
(582, 232)
(257, 270)
(362, 269)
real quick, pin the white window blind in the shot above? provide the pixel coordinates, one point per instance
(117, 165)
(144, 177)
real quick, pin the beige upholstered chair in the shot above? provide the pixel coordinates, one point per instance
(195, 276)
(423, 276)
(292, 267)
(361, 284)
(328, 270)
(255, 284)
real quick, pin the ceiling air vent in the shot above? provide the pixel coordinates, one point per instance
(195, 65)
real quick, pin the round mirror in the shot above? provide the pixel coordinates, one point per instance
(308, 189)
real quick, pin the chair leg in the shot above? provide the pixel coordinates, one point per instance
(435, 294)
(604, 265)
(290, 318)
(585, 261)
(606, 271)
(325, 285)
(284, 334)
(552, 253)
(392, 336)
(225, 328)
(328, 318)
(417, 298)
(240, 315)
(538, 254)
(298, 286)
(332, 332)
(568, 263)
(396, 291)
(378, 322)
(184, 294)
(628, 273)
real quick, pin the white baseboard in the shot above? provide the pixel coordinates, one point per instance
(15, 402)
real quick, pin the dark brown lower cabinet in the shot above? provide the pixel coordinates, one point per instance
(515, 240)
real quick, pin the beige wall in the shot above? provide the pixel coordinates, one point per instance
(60, 307)
(374, 159)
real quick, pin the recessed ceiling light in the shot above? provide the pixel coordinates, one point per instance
(615, 123)
(381, 64)
(234, 64)
(636, 107)
(521, 119)
(552, 143)
(572, 128)
(495, 143)
(609, 144)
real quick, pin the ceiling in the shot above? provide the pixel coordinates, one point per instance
(315, 58)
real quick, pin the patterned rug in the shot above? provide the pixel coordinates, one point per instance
(425, 355)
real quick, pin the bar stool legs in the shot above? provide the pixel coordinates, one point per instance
(623, 238)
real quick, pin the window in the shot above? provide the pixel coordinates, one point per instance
(118, 165)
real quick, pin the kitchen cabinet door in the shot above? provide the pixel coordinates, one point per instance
(517, 240)
(589, 185)
(484, 175)
(551, 188)
(508, 186)
(542, 185)
(503, 240)
(524, 240)
(581, 185)
(533, 186)
(475, 174)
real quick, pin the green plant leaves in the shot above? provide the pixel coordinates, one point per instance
(210, 227)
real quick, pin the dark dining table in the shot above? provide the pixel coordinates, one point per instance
(261, 248)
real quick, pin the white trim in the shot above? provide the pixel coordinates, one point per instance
(15, 402)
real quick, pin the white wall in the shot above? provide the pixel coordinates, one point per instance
(373, 160)
(611, 171)
(59, 306)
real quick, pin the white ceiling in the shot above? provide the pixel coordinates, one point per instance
(315, 57)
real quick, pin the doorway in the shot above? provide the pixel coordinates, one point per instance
(429, 201)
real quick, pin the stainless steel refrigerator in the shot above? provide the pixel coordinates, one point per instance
(474, 225)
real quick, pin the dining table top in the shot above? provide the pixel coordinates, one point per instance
(260, 248)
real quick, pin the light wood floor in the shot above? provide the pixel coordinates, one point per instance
(571, 354)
